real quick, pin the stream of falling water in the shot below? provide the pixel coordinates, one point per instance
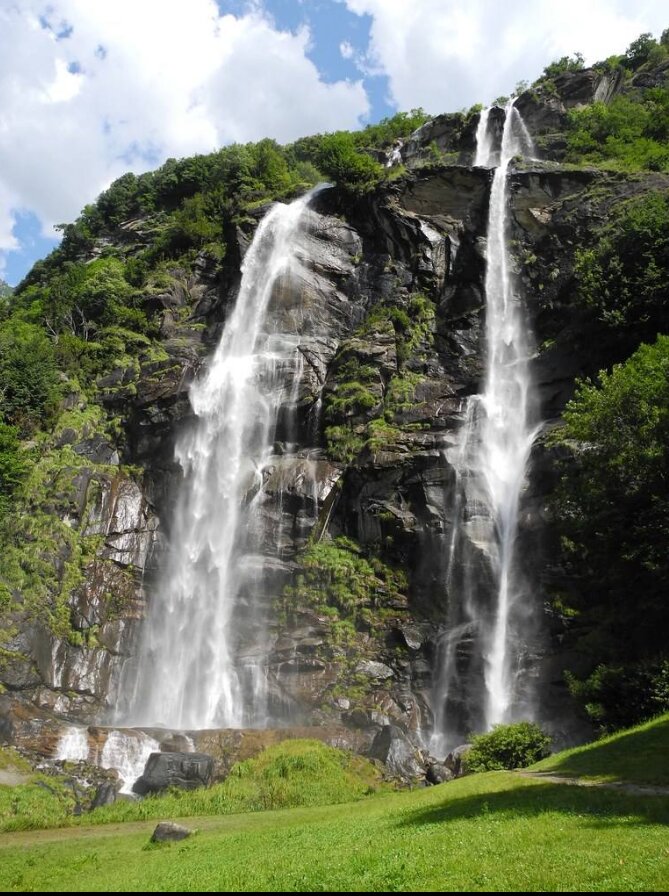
(190, 674)
(476, 684)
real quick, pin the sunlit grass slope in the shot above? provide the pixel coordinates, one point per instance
(495, 831)
(638, 755)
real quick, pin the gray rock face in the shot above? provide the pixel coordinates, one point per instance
(185, 770)
(170, 832)
(402, 759)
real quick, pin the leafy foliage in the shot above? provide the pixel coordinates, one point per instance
(362, 407)
(628, 134)
(341, 575)
(508, 746)
(624, 279)
(573, 63)
(29, 383)
(13, 465)
(616, 696)
(339, 160)
(612, 509)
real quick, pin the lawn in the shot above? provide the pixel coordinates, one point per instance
(498, 831)
(639, 755)
(495, 831)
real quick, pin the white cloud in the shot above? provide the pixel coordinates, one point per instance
(445, 54)
(346, 50)
(89, 89)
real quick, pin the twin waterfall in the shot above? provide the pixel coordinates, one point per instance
(192, 670)
(189, 671)
(478, 683)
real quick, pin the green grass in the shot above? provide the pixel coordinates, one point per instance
(496, 831)
(638, 755)
(292, 773)
(489, 832)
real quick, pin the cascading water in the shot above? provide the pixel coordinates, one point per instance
(477, 683)
(192, 672)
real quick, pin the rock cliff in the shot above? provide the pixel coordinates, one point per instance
(390, 311)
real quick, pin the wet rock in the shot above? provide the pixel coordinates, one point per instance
(185, 770)
(169, 832)
(176, 743)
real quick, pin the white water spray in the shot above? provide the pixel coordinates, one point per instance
(73, 745)
(479, 652)
(192, 672)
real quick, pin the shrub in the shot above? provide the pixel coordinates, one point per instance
(508, 746)
(619, 696)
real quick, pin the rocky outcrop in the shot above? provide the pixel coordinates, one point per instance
(187, 771)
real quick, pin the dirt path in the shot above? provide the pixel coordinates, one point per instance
(620, 786)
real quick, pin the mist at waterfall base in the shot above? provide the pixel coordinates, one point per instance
(191, 670)
(480, 678)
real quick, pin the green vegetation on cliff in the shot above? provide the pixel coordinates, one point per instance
(368, 393)
(613, 511)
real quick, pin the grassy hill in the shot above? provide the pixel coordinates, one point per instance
(491, 832)
(639, 755)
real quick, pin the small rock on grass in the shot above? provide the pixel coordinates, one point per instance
(168, 832)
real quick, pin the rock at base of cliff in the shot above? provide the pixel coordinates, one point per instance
(438, 773)
(185, 770)
(169, 832)
(456, 760)
(402, 759)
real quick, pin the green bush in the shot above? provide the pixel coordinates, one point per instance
(628, 134)
(339, 159)
(508, 746)
(618, 696)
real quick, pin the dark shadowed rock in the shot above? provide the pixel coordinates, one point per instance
(169, 832)
(438, 773)
(456, 760)
(186, 770)
(105, 795)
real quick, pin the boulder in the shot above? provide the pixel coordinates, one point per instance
(185, 770)
(438, 773)
(169, 832)
(456, 761)
(106, 794)
(402, 759)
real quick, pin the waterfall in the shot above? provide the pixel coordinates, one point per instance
(477, 684)
(73, 745)
(484, 141)
(127, 752)
(192, 669)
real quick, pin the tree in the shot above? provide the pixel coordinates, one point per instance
(339, 160)
(612, 509)
(639, 50)
(624, 278)
(12, 464)
(29, 382)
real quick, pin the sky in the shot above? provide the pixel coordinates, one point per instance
(90, 89)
